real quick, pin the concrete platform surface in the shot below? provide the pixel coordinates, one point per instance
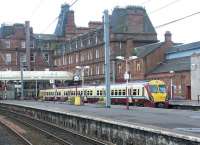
(173, 121)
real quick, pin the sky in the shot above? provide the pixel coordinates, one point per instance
(41, 14)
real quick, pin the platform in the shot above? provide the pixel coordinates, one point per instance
(185, 104)
(184, 122)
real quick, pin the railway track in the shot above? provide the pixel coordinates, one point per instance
(14, 132)
(62, 135)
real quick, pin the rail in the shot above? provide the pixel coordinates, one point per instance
(60, 134)
(21, 137)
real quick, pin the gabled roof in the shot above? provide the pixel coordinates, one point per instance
(146, 49)
(184, 47)
(178, 64)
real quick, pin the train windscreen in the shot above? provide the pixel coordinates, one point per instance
(153, 88)
(162, 88)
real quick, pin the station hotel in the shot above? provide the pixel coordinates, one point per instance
(131, 34)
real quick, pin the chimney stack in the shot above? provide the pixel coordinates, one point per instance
(168, 36)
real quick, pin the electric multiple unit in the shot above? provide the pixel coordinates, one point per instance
(152, 93)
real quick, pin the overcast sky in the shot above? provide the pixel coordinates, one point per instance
(42, 12)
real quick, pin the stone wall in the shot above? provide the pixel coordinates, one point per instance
(116, 132)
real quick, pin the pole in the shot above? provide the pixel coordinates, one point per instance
(27, 30)
(171, 89)
(5, 89)
(127, 101)
(22, 81)
(83, 94)
(107, 57)
(113, 72)
(36, 90)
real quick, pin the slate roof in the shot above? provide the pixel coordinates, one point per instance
(184, 47)
(119, 19)
(146, 49)
(178, 64)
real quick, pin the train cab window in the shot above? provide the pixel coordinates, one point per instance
(120, 92)
(81, 92)
(124, 92)
(112, 92)
(116, 92)
(134, 92)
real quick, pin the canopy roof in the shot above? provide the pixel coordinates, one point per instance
(36, 75)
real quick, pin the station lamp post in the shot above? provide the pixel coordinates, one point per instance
(171, 84)
(82, 69)
(126, 75)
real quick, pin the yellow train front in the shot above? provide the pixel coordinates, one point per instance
(157, 93)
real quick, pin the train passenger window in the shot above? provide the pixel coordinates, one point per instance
(97, 92)
(59, 93)
(90, 92)
(81, 92)
(116, 93)
(124, 92)
(134, 92)
(101, 93)
(112, 92)
(138, 92)
(120, 92)
(85, 92)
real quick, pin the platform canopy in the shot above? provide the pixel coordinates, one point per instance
(36, 75)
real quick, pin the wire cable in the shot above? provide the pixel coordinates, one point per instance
(165, 6)
(173, 21)
(36, 8)
(145, 2)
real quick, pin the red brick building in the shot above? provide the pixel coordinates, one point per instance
(130, 27)
(13, 48)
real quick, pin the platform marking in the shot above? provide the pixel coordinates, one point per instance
(196, 130)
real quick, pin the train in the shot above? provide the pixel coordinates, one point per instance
(145, 93)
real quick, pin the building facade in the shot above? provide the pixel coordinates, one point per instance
(129, 28)
(195, 77)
